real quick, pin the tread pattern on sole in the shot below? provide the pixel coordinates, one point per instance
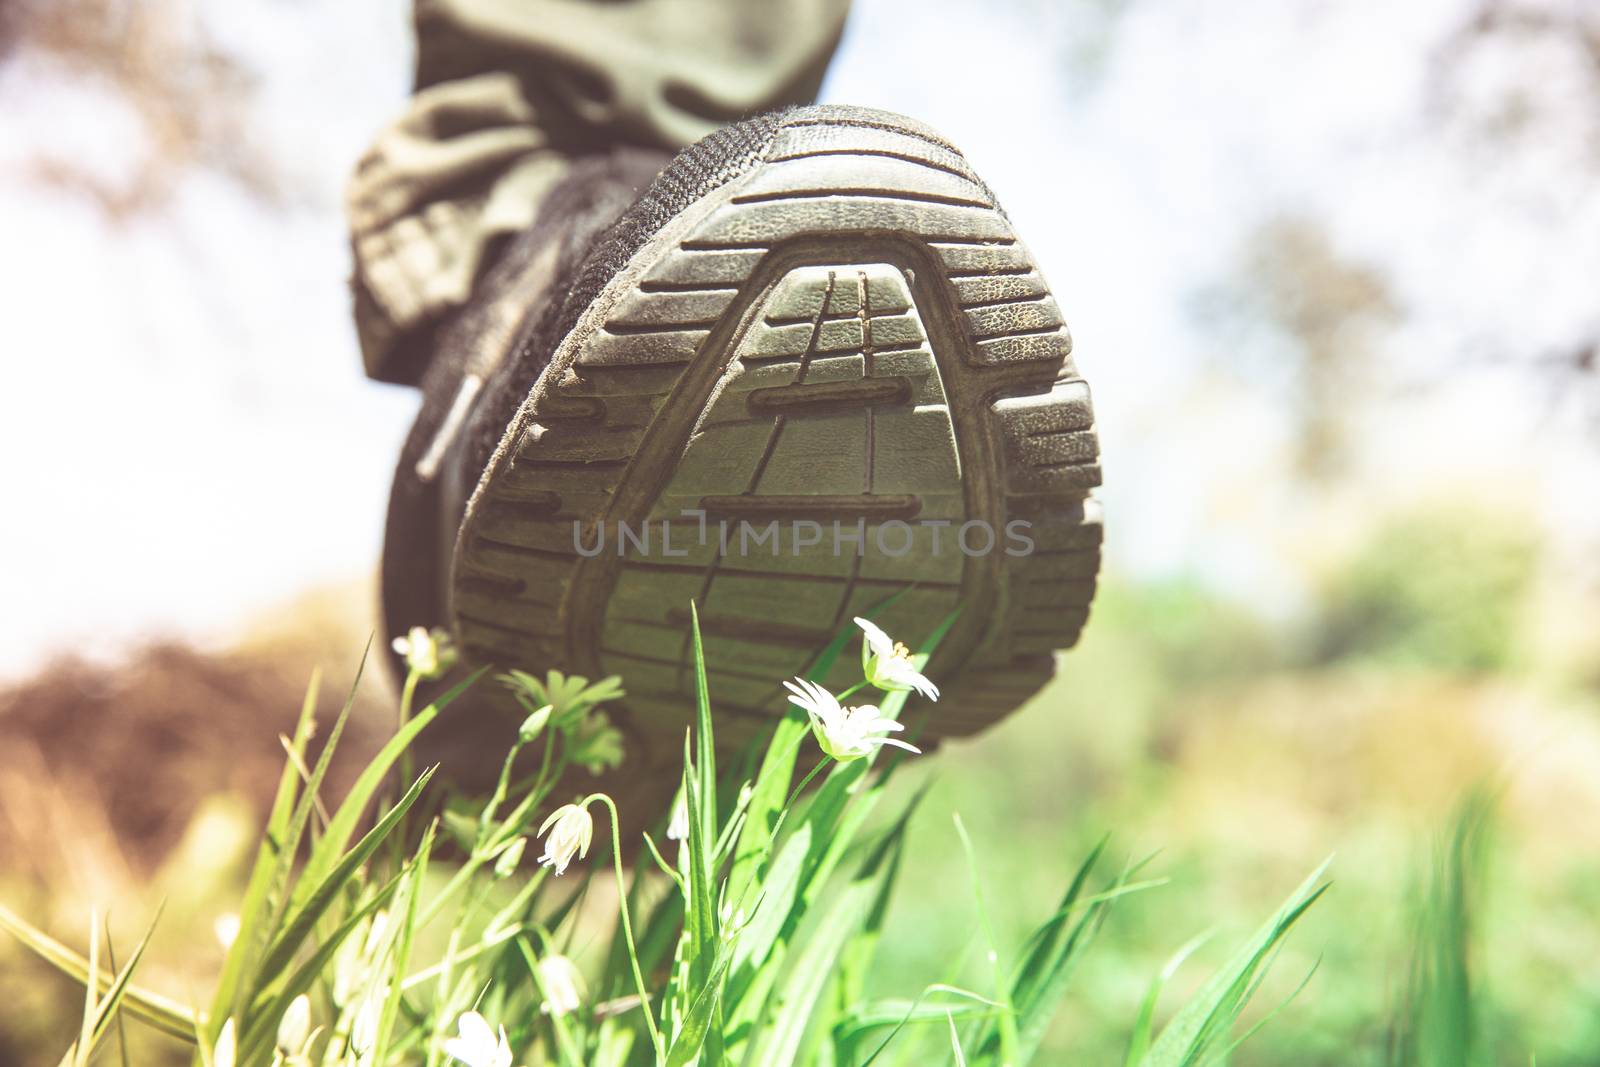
(851, 330)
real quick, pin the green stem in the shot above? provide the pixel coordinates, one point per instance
(407, 695)
(627, 921)
(823, 762)
(853, 690)
(451, 888)
(478, 858)
(544, 765)
(407, 766)
(501, 788)
(783, 815)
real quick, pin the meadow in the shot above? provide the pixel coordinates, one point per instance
(1357, 836)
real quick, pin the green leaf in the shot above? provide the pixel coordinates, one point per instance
(798, 994)
(705, 748)
(256, 1037)
(416, 876)
(343, 824)
(101, 1011)
(691, 1040)
(897, 1012)
(166, 1015)
(856, 960)
(955, 1042)
(1144, 1024)
(257, 939)
(273, 856)
(1210, 1015)
(78, 1055)
(283, 947)
(1438, 1018)
(701, 934)
(1043, 975)
(1005, 1034)
(774, 780)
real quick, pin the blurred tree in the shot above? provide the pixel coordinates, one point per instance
(1332, 309)
(191, 98)
(1318, 316)
(1434, 589)
(1518, 77)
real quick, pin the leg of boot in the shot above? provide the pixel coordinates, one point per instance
(506, 92)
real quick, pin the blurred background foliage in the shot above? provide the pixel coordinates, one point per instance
(1330, 267)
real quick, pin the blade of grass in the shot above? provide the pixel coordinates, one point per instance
(1144, 1022)
(1005, 1024)
(691, 1041)
(270, 1006)
(282, 948)
(162, 1013)
(78, 1055)
(1061, 940)
(705, 748)
(775, 778)
(274, 851)
(1437, 1020)
(955, 1042)
(1209, 1016)
(898, 1014)
(702, 931)
(122, 1025)
(796, 997)
(256, 941)
(343, 824)
(98, 1020)
(401, 960)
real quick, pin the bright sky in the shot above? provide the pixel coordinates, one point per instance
(188, 439)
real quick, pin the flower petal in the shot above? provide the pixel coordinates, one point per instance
(881, 643)
(475, 1030)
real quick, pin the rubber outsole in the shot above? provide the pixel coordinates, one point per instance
(849, 333)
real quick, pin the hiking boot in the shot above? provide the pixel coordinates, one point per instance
(811, 373)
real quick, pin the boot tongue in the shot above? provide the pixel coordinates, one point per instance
(489, 356)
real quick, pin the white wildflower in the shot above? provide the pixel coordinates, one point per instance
(364, 1031)
(226, 927)
(571, 829)
(562, 985)
(294, 1029)
(349, 967)
(678, 825)
(226, 1051)
(428, 653)
(844, 733)
(478, 1045)
(888, 664)
(375, 934)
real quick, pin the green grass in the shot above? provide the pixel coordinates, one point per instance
(751, 936)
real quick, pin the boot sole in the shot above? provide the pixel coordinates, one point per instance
(850, 332)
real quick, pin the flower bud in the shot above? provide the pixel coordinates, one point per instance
(505, 865)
